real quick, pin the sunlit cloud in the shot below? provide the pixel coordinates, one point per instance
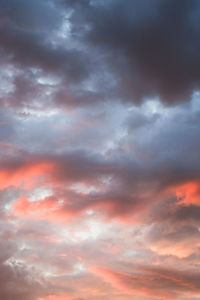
(99, 150)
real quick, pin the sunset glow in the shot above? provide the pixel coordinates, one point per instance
(100, 150)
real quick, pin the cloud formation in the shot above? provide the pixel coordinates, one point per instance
(99, 150)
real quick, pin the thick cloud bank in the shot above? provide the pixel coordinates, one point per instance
(99, 149)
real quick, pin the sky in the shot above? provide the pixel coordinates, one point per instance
(99, 149)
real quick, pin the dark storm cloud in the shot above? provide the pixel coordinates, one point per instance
(28, 49)
(152, 46)
(27, 39)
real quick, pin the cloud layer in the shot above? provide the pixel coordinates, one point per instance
(99, 150)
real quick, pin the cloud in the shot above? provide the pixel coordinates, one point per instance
(57, 297)
(149, 55)
(152, 281)
(99, 150)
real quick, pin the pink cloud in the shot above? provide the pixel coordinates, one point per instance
(57, 297)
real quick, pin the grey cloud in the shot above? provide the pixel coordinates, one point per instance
(34, 15)
(152, 46)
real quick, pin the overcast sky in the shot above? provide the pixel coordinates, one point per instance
(99, 149)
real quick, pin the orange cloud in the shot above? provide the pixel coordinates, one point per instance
(151, 282)
(57, 297)
(28, 175)
(189, 193)
(47, 209)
